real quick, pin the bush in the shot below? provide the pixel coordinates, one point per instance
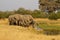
(4, 15)
(39, 14)
(36, 15)
(53, 16)
(58, 14)
(1, 15)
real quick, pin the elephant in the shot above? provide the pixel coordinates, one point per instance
(21, 20)
(27, 20)
(13, 19)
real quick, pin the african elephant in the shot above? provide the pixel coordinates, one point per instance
(22, 20)
(26, 20)
(13, 19)
(16, 19)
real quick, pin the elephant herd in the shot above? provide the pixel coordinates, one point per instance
(21, 20)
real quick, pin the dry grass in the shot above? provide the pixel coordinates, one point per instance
(49, 22)
(10, 32)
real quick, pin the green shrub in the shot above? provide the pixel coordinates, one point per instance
(36, 15)
(1, 15)
(39, 14)
(4, 15)
(58, 15)
(53, 16)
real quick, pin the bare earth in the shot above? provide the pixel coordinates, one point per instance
(10, 32)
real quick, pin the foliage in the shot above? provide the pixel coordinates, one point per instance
(49, 5)
(23, 11)
(4, 14)
(34, 13)
(58, 15)
(39, 14)
(53, 16)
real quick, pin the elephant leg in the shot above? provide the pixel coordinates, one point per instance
(26, 24)
(18, 23)
(33, 24)
(14, 23)
(10, 23)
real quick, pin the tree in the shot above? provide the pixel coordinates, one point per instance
(36, 14)
(28, 12)
(49, 5)
(39, 14)
(21, 11)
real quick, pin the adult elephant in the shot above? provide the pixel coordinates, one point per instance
(16, 19)
(13, 19)
(27, 20)
(22, 20)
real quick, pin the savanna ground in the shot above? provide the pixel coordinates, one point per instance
(11, 32)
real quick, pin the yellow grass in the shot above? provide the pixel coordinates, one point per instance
(49, 22)
(11, 32)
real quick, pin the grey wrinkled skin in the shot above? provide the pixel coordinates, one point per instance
(13, 19)
(22, 20)
(28, 20)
